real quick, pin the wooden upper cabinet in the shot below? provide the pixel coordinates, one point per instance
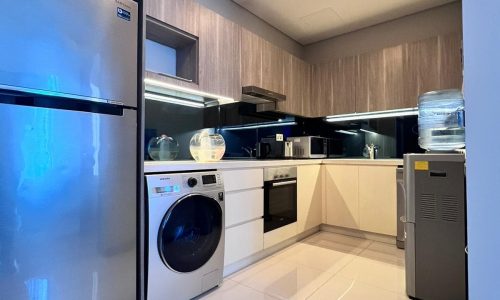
(450, 61)
(421, 68)
(219, 55)
(380, 83)
(370, 81)
(394, 96)
(306, 90)
(273, 64)
(251, 58)
(321, 90)
(262, 63)
(343, 85)
(433, 64)
(183, 14)
(297, 82)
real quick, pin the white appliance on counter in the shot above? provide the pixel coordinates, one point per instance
(309, 146)
(186, 234)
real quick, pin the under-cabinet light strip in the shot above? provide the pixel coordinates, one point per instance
(368, 131)
(160, 84)
(374, 115)
(260, 126)
(172, 100)
(346, 132)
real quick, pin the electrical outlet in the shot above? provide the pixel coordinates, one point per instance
(279, 137)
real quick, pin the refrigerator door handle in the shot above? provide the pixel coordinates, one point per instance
(61, 103)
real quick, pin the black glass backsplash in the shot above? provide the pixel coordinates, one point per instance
(394, 136)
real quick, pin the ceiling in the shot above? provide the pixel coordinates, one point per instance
(309, 21)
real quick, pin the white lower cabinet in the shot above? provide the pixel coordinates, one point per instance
(378, 199)
(309, 197)
(243, 240)
(244, 209)
(361, 197)
(242, 206)
(341, 196)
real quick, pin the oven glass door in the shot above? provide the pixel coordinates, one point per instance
(280, 203)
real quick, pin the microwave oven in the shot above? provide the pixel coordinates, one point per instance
(309, 146)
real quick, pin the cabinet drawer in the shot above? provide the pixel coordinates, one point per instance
(242, 206)
(243, 240)
(243, 179)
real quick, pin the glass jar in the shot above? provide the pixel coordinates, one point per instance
(206, 147)
(163, 148)
(441, 124)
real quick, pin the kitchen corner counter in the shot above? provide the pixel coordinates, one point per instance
(191, 165)
(363, 161)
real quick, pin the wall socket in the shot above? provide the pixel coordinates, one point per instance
(279, 137)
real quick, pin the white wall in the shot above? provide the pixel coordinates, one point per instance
(243, 17)
(481, 21)
(439, 20)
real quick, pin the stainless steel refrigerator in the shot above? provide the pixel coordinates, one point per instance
(68, 151)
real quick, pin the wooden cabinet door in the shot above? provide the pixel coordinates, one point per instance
(341, 195)
(394, 97)
(243, 240)
(379, 84)
(421, 68)
(251, 58)
(309, 197)
(343, 85)
(450, 61)
(378, 199)
(370, 90)
(433, 64)
(183, 14)
(306, 90)
(297, 86)
(321, 90)
(273, 64)
(219, 53)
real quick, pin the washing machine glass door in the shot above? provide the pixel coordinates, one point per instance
(190, 232)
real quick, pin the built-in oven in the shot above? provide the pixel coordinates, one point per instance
(280, 197)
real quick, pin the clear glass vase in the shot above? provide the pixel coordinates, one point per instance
(207, 147)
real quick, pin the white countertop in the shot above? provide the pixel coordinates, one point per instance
(364, 161)
(191, 165)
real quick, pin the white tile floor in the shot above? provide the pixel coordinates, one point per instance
(324, 266)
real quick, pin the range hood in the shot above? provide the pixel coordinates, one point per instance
(264, 99)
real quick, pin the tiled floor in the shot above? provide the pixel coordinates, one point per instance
(324, 266)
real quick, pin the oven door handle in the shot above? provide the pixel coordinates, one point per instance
(284, 183)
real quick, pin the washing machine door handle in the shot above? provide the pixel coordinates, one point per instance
(190, 232)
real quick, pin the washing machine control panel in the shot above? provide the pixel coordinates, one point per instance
(172, 184)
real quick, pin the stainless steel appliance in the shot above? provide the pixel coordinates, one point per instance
(186, 234)
(401, 208)
(68, 160)
(270, 148)
(309, 146)
(264, 99)
(435, 250)
(280, 197)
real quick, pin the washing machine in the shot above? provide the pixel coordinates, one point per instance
(185, 234)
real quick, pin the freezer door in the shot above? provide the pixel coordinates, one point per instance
(74, 48)
(67, 204)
